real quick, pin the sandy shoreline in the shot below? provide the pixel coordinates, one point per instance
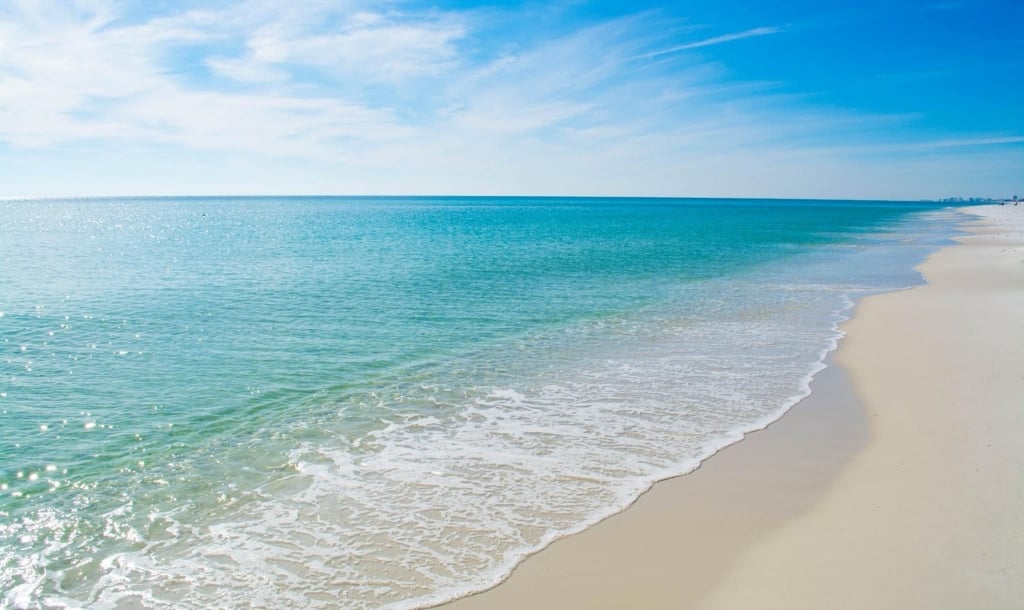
(907, 496)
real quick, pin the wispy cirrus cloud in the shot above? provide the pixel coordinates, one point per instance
(707, 42)
(69, 75)
(365, 97)
(300, 81)
(351, 42)
(955, 143)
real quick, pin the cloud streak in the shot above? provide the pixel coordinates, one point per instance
(707, 42)
(997, 141)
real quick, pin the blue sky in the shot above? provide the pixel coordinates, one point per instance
(868, 99)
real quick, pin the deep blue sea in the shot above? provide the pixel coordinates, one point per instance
(388, 402)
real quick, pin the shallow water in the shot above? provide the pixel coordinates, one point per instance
(302, 402)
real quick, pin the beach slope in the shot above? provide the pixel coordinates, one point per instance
(931, 513)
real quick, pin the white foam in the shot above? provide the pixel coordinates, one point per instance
(428, 507)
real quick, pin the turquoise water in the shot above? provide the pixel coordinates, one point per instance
(339, 402)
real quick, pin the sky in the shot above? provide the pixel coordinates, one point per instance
(872, 99)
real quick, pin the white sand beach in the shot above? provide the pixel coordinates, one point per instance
(897, 484)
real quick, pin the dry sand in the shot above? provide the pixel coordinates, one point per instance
(912, 497)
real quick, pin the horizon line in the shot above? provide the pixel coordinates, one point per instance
(15, 198)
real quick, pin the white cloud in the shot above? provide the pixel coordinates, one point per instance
(69, 74)
(246, 70)
(348, 43)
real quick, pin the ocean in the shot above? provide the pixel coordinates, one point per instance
(292, 402)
